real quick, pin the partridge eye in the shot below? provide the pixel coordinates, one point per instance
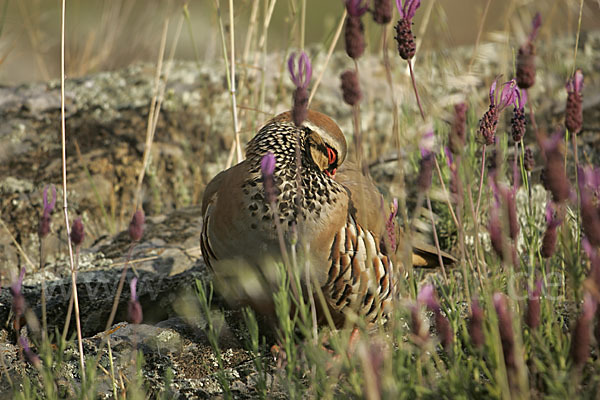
(331, 155)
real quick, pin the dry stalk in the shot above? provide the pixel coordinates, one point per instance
(157, 99)
(338, 32)
(479, 32)
(65, 203)
(577, 37)
(250, 32)
(233, 88)
(17, 245)
(149, 132)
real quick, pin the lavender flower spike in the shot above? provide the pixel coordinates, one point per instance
(134, 307)
(532, 318)
(267, 167)
(404, 35)
(354, 30)
(509, 94)
(356, 8)
(427, 142)
(382, 11)
(44, 227)
(575, 84)
(33, 358)
(488, 123)
(518, 122)
(574, 109)
(49, 205)
(304, 72)
(18, 298)
(526, 56)
(588, 187)
(550, 235)
(426, 296)
(580, 338)
(77, 232)
(267, 164)
(300, 78)
(136, 226)
(535, 26)
(506, 329)
(408, 10)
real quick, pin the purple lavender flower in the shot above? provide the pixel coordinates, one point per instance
(507, 196)
(589, 185)
(532, 318)
(580, 339)
(44, 227)
(382, 11)
(136, 226)
(404, 34)
(526, 56)
(77, 232)
(354, 30)
(267, 164)
(300, 77)
(408, 10)
(550, 235)
(589, 180)
(508, 96)
(518, 122)
(267, 168)
(528, 159)
(18, 298)
(134, 307)
(351, 87)
(33, 358)
(356, 8)
(574, 110)
(457, 136)
(575, 84)
(594, 274)
(555, 180)
(476, 324)
(488, 123)
(427, 297)
(506, 330)
(536, 22)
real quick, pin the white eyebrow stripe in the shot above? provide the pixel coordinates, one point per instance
(313, 127)
(320, 131)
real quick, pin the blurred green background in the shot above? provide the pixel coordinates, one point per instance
(104, 35)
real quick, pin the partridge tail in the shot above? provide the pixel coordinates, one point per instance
(426, 256)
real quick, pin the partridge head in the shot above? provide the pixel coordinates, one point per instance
(322, 203)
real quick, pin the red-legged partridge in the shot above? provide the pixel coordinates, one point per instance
(340, 218)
